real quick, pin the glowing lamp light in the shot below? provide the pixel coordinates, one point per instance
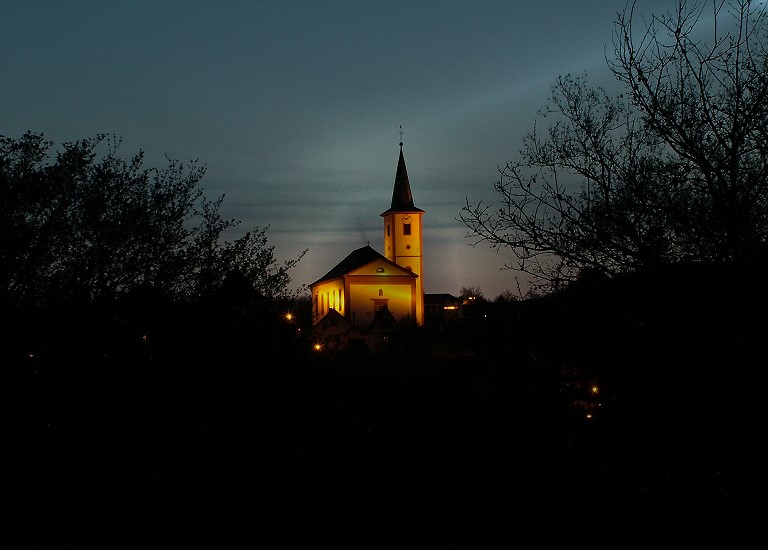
(595, 390)
(318, 347)
(288, 316)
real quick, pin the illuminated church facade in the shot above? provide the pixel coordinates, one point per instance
(367, 292)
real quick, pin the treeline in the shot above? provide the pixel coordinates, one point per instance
(189, 410)
(102, 256)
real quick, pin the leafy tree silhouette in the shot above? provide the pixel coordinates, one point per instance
(83, 229)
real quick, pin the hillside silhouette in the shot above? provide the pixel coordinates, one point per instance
(223, 427)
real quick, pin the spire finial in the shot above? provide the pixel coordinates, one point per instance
(401, 137)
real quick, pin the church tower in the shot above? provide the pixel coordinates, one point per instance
(403, 233)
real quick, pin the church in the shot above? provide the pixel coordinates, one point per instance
(367, 293)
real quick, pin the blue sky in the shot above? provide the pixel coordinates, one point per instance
(296, 107)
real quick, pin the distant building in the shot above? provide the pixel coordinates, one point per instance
(442, 310)
(367, 282)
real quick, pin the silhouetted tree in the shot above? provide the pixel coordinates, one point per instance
(505, 297)
(471, 294)
(94, 228)
(675, 170)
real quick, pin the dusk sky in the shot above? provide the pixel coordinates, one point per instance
(296, 107)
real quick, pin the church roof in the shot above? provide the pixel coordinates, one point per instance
(383, 321)
(355, 259)
(402, 199)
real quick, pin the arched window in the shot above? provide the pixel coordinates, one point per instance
(381, 292)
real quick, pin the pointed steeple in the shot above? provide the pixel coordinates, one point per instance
(402, 200)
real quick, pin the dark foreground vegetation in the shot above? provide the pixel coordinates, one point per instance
(154, 394)
(216, 426)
